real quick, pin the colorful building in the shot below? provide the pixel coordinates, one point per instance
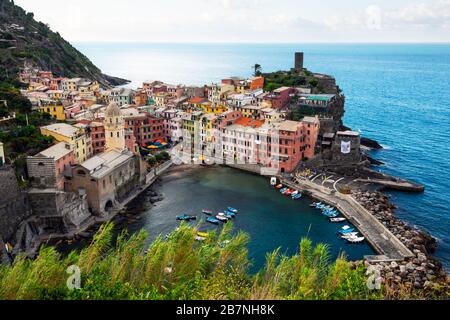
(279, 98)
(57, 112)
(47, 168)
(77, 137)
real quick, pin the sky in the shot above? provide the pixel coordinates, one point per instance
(246, 21)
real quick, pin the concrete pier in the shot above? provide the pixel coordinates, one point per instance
(382, 240)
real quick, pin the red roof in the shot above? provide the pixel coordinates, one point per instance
(197, 100)
(248, 122)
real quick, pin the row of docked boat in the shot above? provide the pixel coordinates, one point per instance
(351, 235)
(347, 233)
(229, 214)
(294, 194)
(331, 213)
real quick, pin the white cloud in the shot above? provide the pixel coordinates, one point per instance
(245, 20)
(431, 14)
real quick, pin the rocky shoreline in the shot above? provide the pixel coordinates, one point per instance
(421, 272)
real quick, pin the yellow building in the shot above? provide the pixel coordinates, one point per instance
(215, 108)
(77, 137)
(207, 124)
(57, 112)
(55, 94)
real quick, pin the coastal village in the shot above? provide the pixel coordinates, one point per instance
(110, 144)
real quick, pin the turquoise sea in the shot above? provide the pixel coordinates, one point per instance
(398, 94)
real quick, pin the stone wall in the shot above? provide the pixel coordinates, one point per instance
(41, 170)
(14, 206)
(58, 210)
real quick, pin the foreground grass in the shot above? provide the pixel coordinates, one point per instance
(181, 268)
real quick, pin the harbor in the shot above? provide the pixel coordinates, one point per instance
(388, 247)
(270, 219)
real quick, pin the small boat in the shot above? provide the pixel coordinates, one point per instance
(200, 239)
(332, 214)
(233, 210)
(222, 218)
(337, 220)
(356, 240)
(229, 213)
(313, 205)
(295, 192)
(346, 229)
(350, 235)
(207, 212)
(186, 217)
(284, 190)
(273, 181)
(289, 192)
(212, 220)
(297, 196)
(280, 186)
(202, 234)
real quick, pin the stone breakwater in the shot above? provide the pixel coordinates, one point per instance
(419, 272)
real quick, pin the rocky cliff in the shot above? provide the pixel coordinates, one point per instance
(23, 40)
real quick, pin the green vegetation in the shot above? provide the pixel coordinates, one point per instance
(21, 135)
(257, 70)
(158, 159)
(280, 79)
(9, 92)
(181, 268)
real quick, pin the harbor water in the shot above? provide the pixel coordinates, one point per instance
(271, 219)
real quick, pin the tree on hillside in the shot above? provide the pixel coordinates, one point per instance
(258, 70)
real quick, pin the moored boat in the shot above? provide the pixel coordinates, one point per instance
(346, 229)
(222, 218)
(207, 212)
(289, 192)
(212, 220)
(337, 220)
(280, 186)
(356, 240)
(186, 217)
(202, 234)
(297, 196)
(284, 190)
(233, 210)
(350, 235)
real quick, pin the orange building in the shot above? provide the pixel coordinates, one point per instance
(257, 83)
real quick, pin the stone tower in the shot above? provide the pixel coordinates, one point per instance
(299, 58)
(114, 128)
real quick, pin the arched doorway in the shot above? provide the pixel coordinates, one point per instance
(109, 206)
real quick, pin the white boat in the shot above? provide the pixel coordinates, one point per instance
(273, 181)
(337, 220)
(222, 217)
(350, 235)
(356, 240)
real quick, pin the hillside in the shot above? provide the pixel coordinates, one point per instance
(23, 40)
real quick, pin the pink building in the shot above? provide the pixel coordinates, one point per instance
(47, 168)
(145, 128)
(279, 98)
(280, 145)
(311, 127)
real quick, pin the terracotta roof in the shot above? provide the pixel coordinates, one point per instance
(197, 100)
(248, 122)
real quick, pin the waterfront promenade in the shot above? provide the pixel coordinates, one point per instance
(382, 240)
